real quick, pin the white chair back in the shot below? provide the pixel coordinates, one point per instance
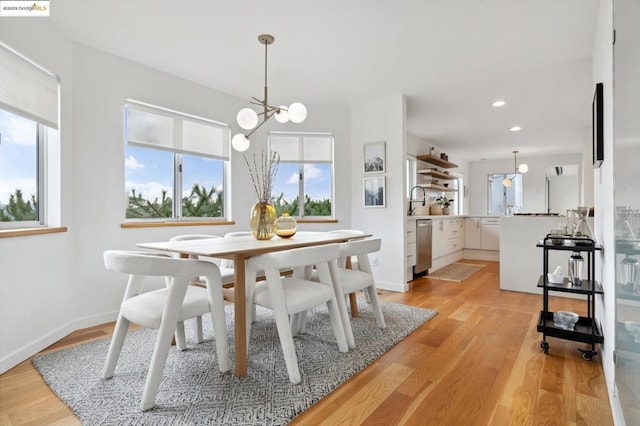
(361, 278)
(290, 297)
(164, 308)
(361, 249)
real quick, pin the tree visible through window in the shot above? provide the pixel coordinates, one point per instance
(19, 189)
(174, 164)
(304, 183)
(28, 115)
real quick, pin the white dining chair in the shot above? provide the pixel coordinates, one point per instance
(162, 309)
(290, 295)
(361, 277)
(226, 275)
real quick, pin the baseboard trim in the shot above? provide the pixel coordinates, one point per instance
(22, 354)
(401, 288)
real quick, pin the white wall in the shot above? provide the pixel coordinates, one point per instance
(37, 289)
(603, 196)
(382, 120)
(54, 284)
(533, 182)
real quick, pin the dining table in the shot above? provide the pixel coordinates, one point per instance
(239, 249)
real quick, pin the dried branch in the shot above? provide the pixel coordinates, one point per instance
(263, 176)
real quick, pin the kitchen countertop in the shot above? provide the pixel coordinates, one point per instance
(445, 216)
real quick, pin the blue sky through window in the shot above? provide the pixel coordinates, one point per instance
(317, 181)
(18, 156)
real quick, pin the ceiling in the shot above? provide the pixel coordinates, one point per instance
(451, 58)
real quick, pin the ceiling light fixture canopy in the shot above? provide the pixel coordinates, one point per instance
(248, 118)
(522, 168)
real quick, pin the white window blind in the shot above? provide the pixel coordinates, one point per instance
(27, 89)
(302, 148)
(160, 128)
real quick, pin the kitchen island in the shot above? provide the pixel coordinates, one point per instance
(520, 259)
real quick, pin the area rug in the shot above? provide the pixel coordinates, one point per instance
(193, 391)
(457, 271)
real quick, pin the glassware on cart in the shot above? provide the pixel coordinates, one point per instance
(582, 227)
(576, 262)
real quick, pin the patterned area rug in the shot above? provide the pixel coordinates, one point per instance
(457, 271)
(193, 391)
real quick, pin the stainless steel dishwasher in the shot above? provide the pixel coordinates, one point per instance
(423, 246)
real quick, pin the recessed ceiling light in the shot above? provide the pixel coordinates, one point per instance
(515, 128)
(498, 104)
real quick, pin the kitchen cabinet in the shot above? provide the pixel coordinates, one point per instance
(482, 233)
(410, 242)
(472, 233)
(448, 236)
(490, 230)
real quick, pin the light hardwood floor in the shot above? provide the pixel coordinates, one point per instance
(478, 362)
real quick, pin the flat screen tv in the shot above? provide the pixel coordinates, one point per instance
(596, 126)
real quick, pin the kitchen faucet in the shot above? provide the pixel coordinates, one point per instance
(411, 200)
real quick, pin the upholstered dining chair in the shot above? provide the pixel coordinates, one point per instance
(361, 277)
(291, 295)
(226, 274)
(162, 309)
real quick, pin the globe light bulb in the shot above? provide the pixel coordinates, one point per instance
(282, 116)
(506, 182)
(240, 142)
(247, 118)
(523, 168)
(297, 112)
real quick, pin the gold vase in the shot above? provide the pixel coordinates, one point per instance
(286, 226)
(263, 217)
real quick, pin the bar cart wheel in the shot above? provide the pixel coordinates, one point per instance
(544, 345)
(587, 355)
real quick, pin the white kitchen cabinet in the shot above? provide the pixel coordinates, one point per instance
(482, 233)
(448, 236)
(410, 241)
(490, 228)
(472, 233)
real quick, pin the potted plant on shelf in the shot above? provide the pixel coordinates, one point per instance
(444, 203)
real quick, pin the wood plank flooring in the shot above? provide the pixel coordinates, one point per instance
(478, 362)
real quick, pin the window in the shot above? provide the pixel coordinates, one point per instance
(28, 112)
(175, 164)
(504, 199)
(304, 183)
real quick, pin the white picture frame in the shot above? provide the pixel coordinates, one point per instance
(373, 191)
(374, 158)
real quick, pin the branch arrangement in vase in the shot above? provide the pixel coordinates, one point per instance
(263, 174)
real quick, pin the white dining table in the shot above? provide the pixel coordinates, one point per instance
(239, 249)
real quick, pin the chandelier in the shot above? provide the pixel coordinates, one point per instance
(522, 168)
(248, 118)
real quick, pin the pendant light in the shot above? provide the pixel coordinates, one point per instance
(522, 168)
(248, 118)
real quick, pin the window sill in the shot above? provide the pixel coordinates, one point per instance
(167, 224)
(23, 232)
(316, 220)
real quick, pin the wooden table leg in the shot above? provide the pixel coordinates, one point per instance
(353, 303)
(240, 316)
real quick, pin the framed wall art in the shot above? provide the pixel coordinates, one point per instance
(374, 158)
(374, 191)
